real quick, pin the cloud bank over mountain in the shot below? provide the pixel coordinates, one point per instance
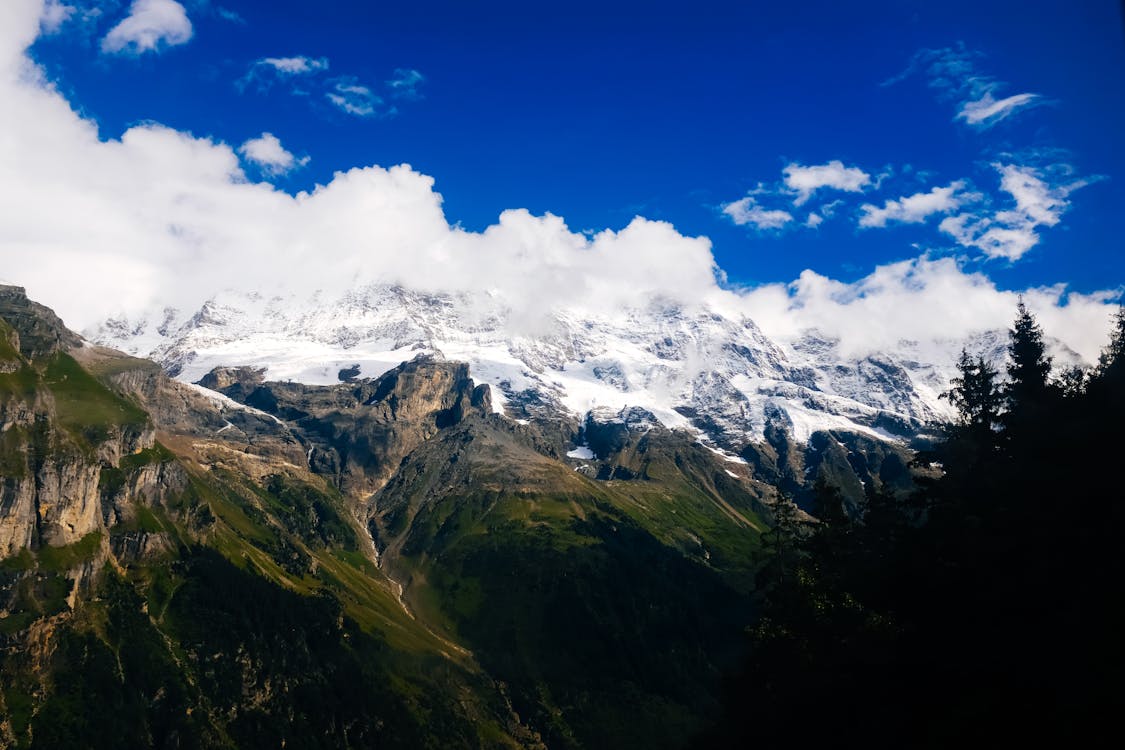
(98, 227)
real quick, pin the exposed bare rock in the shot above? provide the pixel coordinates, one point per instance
(358, 433)
(225, 378)
(41, 332)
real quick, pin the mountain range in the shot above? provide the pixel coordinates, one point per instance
(380, 562)
(390, 520)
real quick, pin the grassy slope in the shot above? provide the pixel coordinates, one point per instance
(607, 608)
(606, 618)
(262, 621)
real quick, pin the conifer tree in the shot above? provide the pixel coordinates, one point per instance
(1113, 356)
(780, 543)
(1028, 363)
(1072, 382)
(976, 394)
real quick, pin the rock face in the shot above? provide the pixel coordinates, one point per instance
(40, 331)
(359, 432)
(225, 378)
(59, 429)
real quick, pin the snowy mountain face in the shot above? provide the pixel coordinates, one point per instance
(690, 368)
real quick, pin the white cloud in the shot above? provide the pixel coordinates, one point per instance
(814, 221)
(915, 209)
(301, 75)
(806, 180)
(98, 227)
(357, 99)
(953, 73)
(987, 111)
(150, 25)
(747, 211)
(271, 157)
(934, 303)
(266, 71)
(55, 14)
(828, 210)
(1011, 233)
(297, 65)
(1035, 199)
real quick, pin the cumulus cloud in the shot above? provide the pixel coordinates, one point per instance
(915, 209)
(746, 211)
(150, 26)
(1012, 232)
(99, 227)
(933, 303)
(270, 156)
(55, 14)
(806, 180)
(953, 73)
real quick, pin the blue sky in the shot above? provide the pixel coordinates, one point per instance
(597, 112)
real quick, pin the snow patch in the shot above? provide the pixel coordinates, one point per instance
(222, 401)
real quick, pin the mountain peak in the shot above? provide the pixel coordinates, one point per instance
(39, 332)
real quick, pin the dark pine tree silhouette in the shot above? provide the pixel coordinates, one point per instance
(986, 607)
(976, 395)
(1029, 367)
(1112, 358)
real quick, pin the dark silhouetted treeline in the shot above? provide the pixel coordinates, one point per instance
(986, 607)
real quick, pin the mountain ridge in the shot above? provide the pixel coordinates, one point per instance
(691, 366)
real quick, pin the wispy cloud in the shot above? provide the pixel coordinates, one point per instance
(229, 15)
(267, 153)
(806, 180)
(292, 66)
(150, 26)
(405, 83)
(304, 75)
(953, 73)
(267, 71)
(916, 208)
(988, 111)
(747, 212)
(356, 99)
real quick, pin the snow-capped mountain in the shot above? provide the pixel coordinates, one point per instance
(689, 366)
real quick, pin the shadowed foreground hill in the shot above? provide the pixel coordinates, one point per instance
(988, 607)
